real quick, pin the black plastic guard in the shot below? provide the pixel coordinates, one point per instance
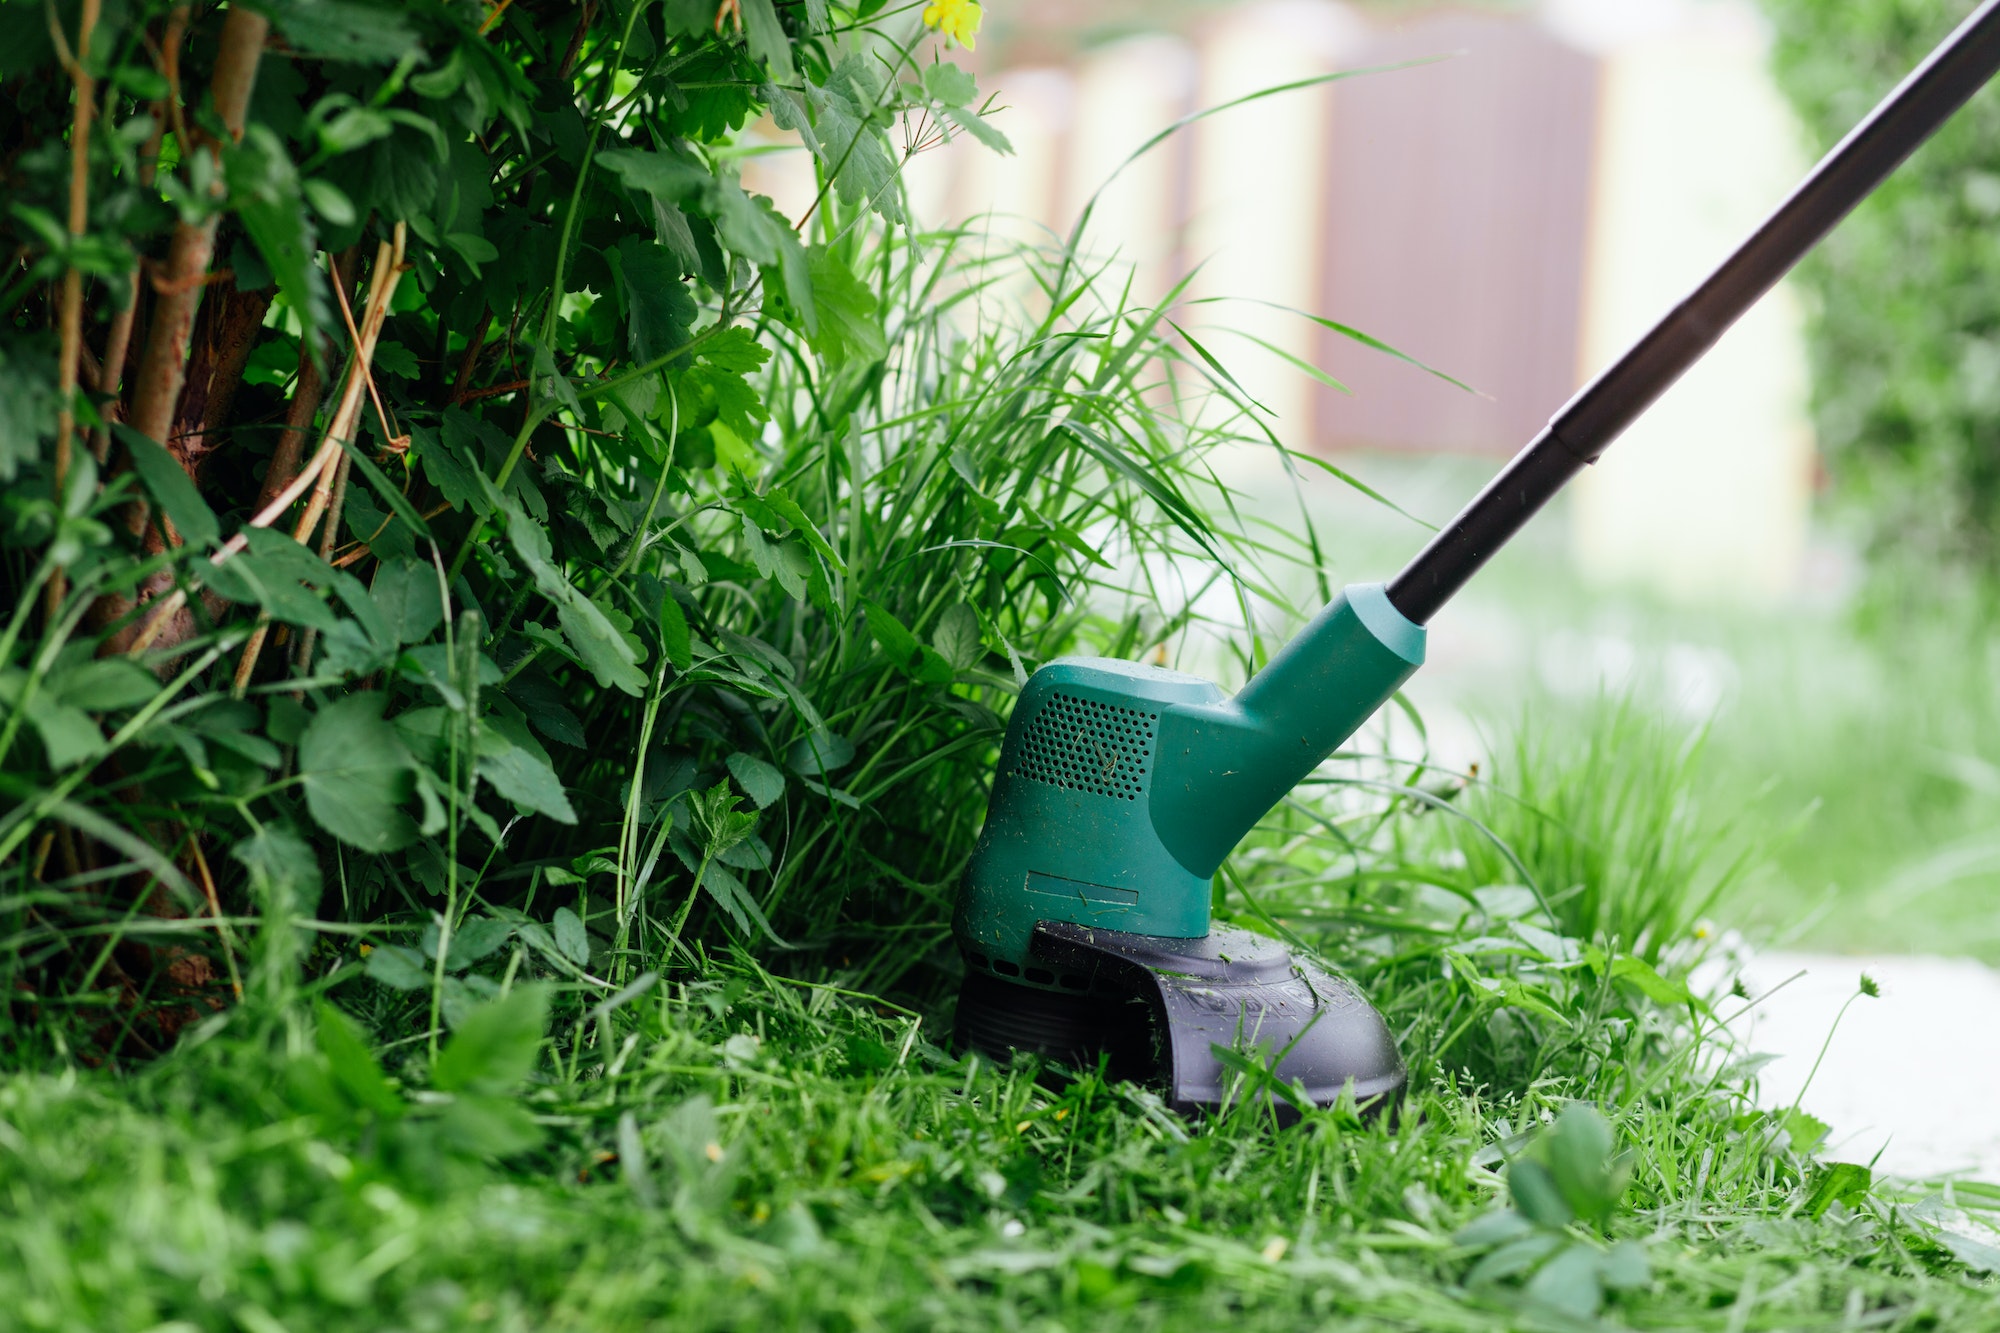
(1240, 991)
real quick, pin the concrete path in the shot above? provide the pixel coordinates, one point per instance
(1914, 1074)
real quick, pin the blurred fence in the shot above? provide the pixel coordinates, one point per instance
(1511, 196)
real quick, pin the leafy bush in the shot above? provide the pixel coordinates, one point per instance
(676, 555)
(1905, 326)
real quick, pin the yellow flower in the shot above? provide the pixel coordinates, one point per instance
(956, 19)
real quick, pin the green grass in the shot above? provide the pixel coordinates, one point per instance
(730, 1149)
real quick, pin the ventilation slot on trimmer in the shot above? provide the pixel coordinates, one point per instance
(1083, 745)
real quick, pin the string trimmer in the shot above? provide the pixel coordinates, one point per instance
(1084, 916)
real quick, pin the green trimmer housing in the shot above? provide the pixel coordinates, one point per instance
(1084, 915)
(1120, 790)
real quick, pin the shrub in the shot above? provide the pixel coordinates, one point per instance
(1905, 328)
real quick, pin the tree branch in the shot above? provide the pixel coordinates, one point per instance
(70, 318)
(388, 268)
(163, 369)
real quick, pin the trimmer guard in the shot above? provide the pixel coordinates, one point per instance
(1231, 988)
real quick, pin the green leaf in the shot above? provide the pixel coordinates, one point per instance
(348, 651)
(521, 772)
(406, 593)
(949, 84)
(396, 359)
(764, 782)
(662, 175)
(980, 128)
(490, 1127)
(329, 201)
(747, 225)
(398, 503)
(447, 460)
(28, 399)
(171, 486)
(659, 310)
(1974, 1254)
(608, 654)
(344, 29)
(271, 203)
(69, 735)
(398, 968)
(788, 509)
(1536, 1194)
(1625, 1267)
(571, 938)
(735, 348)
(104, 685)
(718, 821)
(473, 249)
(1582, 1164)
(1641, 976)
(1804, 1132)
(1494, 1228)
(1840, 1182)
(355, 1068)
(497, 1044)
(1569, 1282)
(729, 398)
(675, 639)
(1514, 1258)
(957, 637)
(278, 859)
(820, 752)
(270, 573)
(753, 853)
(849, 326)
(768, 42)
(358, 774)
(542, 702)
(477, 937)
(912, 658)
(852, 148)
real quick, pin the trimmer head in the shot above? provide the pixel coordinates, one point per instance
(1159, 1007)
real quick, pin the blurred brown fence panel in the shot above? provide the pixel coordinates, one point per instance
(1457, 210)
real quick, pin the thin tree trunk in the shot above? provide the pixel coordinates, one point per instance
(226, 331)
(163, 369)
(307, 393)
(156, 390)
(70, 317)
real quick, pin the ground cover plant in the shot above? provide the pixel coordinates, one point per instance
(505, 635)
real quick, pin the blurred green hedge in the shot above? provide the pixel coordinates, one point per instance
(1905, 330)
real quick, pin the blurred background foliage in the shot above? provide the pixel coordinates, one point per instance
(1905, 321)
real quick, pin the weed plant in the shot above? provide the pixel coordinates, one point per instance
(520, 902)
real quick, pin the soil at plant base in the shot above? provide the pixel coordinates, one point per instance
(1914, 1074)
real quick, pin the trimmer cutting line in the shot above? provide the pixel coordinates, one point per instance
(1084, 916)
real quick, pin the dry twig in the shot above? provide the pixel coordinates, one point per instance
(317, 475)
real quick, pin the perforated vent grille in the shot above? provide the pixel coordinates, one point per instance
(1085, 745)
